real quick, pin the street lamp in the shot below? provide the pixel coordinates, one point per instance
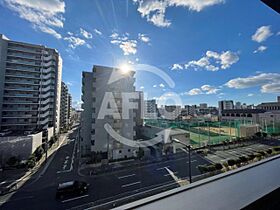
(189, 147)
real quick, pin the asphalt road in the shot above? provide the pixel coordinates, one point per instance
(39, 191)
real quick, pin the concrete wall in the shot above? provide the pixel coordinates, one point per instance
(19, 146)
(249, 130)
(50, 133)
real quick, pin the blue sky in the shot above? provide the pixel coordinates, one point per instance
(212, 49)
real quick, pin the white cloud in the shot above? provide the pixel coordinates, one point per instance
(194, 91)
(278, 33)
(77, 105)
(260, 49)
(75, 42)
(143, 38)
(262, 34)
(161, 85)
(50, 31)
(97, 32)
(176, 66)
(269, 82)
(69, 83)
(128, 46)
(214, 61)
(154, 86)
(250, 95)
(43, 14)
(85, 33)
(154, 10)
(204, 89)
(209, 89)
(142, 87)
(271, 88)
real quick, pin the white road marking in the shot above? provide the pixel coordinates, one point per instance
(184, 150)
(76, 198)
(179, 181)
(192, 161)
(72, 161)
(131, 184)
(171, 174)
(162, 168)
(122, 177)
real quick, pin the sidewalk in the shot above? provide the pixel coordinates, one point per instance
(17, 180)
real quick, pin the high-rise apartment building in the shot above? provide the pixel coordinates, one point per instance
(238, 105)
(150, 110)
(30, 84)
(203, 106)
(65, 106)
(190, 110)
(225, 105)
(101, 91)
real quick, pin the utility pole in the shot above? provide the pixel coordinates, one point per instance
(189, 147)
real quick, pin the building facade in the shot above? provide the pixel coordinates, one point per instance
(104, 105)
(30, 85)
(225, 105)
(65, 106)
(270, 106)
(150, 109)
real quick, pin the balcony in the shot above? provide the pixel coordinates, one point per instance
(24, 56)
(17, 68)
(21, 96)
(22, 76)
(23, 63)
(25, 49)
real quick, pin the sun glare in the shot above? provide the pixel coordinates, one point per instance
(125, 68)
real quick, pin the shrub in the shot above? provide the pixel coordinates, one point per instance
(225, 164)
(251, 156)
(218, 166)
(276, 148)
(268, 151)
(39, 153)
(211, 168)
(259, 156)
(31, 163)
(231, 162)
(243, 159)
(262, 153)
(203, 169)
(12, 161)
(238, 161)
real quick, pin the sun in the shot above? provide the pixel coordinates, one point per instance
(125, 68)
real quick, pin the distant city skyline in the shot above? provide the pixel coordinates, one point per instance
(210, 58)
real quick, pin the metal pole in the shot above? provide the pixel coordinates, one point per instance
(199, 134)
(208, 133)
(190, 162)
(46, 151)
(230, 130)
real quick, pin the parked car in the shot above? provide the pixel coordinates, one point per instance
(71, 188)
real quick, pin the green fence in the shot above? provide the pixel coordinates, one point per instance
(202, 133)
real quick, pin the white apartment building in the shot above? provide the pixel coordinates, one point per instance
(30, 80)
(96, 87)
